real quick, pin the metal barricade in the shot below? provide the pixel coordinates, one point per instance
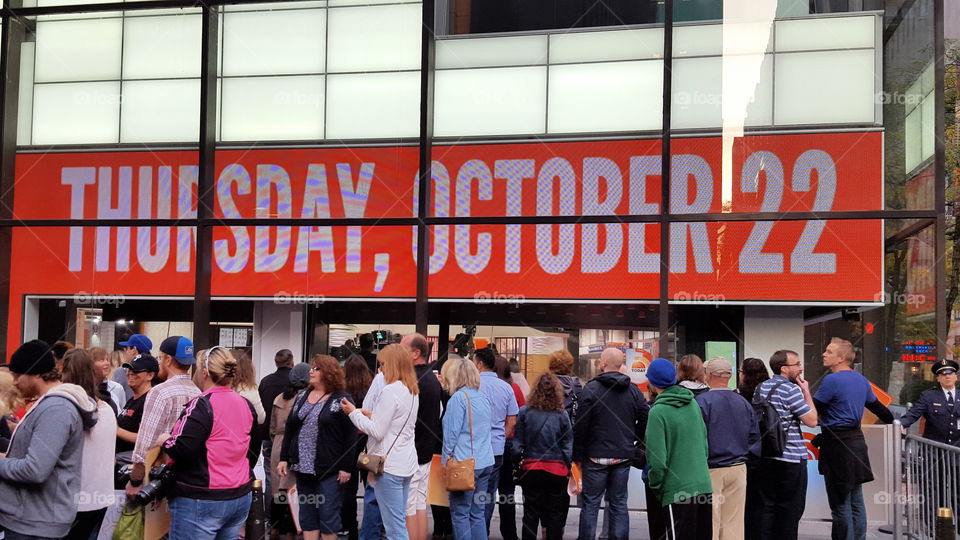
(931, 480)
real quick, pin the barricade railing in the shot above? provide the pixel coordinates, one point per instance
(931, 481)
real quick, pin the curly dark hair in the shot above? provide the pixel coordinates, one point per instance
(330, 373)
(754, 373)
(546, 394)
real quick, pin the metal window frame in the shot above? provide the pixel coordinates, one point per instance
(15, 19)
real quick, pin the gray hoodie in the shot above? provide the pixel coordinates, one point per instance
(40, 476)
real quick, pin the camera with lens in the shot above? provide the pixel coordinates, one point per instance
(161, 479)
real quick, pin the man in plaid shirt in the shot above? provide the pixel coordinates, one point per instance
(164, 403)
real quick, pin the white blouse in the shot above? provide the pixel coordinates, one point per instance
(394, 419)
(97, 464)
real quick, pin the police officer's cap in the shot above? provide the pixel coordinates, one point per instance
(944, 367)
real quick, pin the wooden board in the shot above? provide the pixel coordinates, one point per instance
(156, 521)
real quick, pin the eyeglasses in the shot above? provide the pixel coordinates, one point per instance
(791, 365)
(314, 369)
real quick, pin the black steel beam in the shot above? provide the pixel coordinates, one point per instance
(12, 37)
(663, 326)
(477, 220)
(427, 69)
(940, 181)
(207, 181)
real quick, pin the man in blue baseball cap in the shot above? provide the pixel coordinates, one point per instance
(134, 345)
(164, 403)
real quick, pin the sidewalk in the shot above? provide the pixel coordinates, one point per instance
(809, 530)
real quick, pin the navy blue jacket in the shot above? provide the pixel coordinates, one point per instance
(732, 430)
(941, 425)
(543, 435)
(611, 420)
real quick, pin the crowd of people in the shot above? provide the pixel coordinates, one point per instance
(716, 452)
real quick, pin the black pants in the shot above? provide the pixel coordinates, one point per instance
(442, 524)
(753, 507)
(656, 523)
(690, 520)
(508, 508)
(783, 493)
(544, 501)
(85, 524)
(348, 508)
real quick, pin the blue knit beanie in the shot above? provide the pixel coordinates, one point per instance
(662, 373)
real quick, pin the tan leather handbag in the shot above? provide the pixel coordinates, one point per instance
(459, 475)
(374, 463)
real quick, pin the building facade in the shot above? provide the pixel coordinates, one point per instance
(707, 176)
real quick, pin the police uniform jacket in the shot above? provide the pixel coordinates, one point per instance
(942, 420)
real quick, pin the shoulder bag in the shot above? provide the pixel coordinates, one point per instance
(459, 474)
(374, 463)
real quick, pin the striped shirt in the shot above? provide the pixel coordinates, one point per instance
(163, 406)
(789, 402)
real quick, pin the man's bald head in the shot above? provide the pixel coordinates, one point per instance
(612, 359)
(418, 346)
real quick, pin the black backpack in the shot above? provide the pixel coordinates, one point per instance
(773, 435)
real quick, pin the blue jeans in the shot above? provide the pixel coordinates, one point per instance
(391, 494)
(197, 519)
(597, 480)
(467, 507)
(372, 526)
(848, 512)
(492, 485)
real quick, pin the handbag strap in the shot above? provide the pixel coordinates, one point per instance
(412, 398)
(470, 423)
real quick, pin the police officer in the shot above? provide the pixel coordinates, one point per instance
(939, 406)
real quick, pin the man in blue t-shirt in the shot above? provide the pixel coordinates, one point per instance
(844, 461)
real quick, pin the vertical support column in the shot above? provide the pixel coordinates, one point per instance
(12, 37)
(427, 64)
(207, 178)
(665, 134)
(940, 187)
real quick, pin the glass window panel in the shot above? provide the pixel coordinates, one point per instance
(160, 111)
(80, 113)
(83, 50)
(491, 52)
(825, 33)
(167, 46)
(697, 40)
(913, 150)
(373, 105)
(929, 132)
(25, 99)
(614, 45)
(492, 101)
(272, 108)
(376, 38)
(615, 96)
(696, 92)
(825, 87)
(274, 42)
(276, 6)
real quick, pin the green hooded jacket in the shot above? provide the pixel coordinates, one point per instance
(677, 447)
